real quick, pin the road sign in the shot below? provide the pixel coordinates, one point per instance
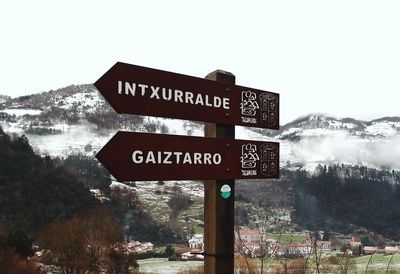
(132, 89)
(133, 156)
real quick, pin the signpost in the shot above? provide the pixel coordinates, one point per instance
(133, 156)
(133, 89)
(219, 211)
(217, 158)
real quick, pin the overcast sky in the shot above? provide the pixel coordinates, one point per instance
(337, 57)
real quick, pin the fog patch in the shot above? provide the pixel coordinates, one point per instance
(347, 149)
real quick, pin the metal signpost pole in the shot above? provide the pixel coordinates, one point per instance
(219, 210)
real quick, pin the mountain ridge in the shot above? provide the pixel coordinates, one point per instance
(77, 117)
(85, 97)
(307, 125)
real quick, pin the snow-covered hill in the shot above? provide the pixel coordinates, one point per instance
(320, 139)
(317, 125)
(76, 118)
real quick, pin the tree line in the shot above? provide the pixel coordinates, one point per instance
(342, 196)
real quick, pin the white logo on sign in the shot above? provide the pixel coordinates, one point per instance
(249, 103)
(226, 188)
(249, 156)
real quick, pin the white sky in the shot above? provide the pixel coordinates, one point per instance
(337, 57)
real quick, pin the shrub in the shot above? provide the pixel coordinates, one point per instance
(11, 263)
(179, 202)
(298, 266)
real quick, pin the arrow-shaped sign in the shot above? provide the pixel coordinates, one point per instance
(133, 156)
(132, 89)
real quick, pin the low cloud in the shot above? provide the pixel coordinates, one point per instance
(344, 149)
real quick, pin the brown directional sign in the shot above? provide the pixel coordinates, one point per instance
(133, 156)
(132, 89)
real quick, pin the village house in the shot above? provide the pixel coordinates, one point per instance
(299, 249)
(196, 245)
(134, 247)
(197, 242)
(324, 246)
(308, 247)
(391, 249)
(248, 241)
(354, 242)
(370, 249)
(260, 247)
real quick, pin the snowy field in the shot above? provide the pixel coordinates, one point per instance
(73, 139)
(162, 265)
(21, 112)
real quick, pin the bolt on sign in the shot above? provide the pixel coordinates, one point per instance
(132, 89)
(133, 156)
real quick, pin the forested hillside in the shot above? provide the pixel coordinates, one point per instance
(34, 190)
(342, 197)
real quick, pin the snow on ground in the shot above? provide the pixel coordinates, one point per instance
(85, 99)
(63, 127)
(187, 128)
(17, 128)
(73, 139)
(339, 124)
(244, 133)
(155, 196)
(21, 112)
(323, 132)
(162, 265)
(179, 127)
(11, 128)
(192, 188)
(290, 131)
(119, 185)
(383, 129)
(312, 132)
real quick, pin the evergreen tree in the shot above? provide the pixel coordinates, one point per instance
(33, 190)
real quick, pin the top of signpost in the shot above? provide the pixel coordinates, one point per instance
(132, 89)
